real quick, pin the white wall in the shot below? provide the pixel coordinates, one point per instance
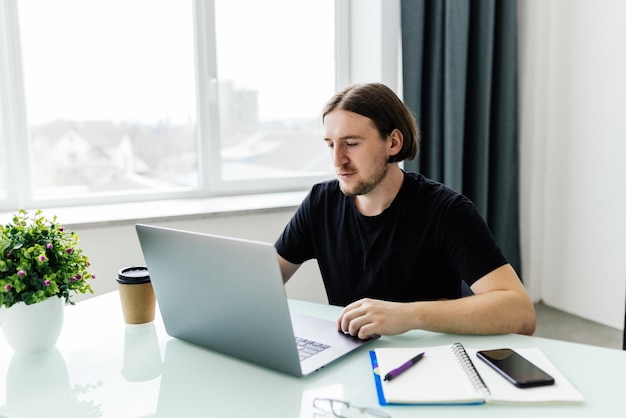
(375, 42)
(113, 247)
(573, 146)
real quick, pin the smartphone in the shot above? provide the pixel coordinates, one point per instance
(515, 368)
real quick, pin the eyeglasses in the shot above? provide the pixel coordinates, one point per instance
(339, 409)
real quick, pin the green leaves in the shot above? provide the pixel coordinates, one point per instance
(39, 259)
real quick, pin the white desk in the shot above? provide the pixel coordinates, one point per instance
(100, 367)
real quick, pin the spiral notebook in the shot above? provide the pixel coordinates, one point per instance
(450, 374)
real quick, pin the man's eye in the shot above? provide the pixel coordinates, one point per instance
(351, 144)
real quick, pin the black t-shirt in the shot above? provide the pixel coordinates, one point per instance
(420, 248)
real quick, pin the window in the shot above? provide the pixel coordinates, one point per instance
(3, 164)
(110, 96)
(3, 193)
(274, 78)
(118, 100)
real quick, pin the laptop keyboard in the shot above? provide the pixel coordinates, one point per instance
(308, 348)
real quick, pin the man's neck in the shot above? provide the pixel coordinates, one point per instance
(379, 199)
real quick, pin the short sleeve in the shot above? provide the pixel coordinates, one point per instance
(471, 247)
(295, 243)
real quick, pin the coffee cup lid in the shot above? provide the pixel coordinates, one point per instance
(133, 275)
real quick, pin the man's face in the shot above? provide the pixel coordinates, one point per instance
(358, 152)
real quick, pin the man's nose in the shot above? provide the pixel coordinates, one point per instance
(339, 156)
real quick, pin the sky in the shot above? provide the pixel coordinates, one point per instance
(134, 59)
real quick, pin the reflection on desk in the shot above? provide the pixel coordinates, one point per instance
(39, 383)
(142, 355)
(103, 368)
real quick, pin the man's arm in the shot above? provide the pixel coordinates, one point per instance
(500, 305)
(287, 269)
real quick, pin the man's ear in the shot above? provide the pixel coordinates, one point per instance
(396, 140)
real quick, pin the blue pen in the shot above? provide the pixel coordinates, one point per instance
(397, 371)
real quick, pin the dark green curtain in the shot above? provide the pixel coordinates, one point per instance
(460, 80)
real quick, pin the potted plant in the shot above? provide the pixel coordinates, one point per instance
(41, 267)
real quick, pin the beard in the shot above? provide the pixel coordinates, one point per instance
(368, 184)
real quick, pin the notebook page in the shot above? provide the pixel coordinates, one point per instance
(438, 378)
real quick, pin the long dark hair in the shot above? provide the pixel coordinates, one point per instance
(380, 104)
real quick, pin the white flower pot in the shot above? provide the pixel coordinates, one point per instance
(33, 328)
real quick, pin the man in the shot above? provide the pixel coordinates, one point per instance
(394, 247)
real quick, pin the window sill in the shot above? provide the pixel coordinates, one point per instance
(131, 213)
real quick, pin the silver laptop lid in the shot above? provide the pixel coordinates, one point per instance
(222, 293)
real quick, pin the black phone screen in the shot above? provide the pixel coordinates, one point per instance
(515, 368)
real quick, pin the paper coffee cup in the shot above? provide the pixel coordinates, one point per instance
(136, 295)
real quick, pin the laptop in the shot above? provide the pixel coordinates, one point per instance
(227, 294)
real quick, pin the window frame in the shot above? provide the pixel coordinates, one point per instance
(12, 105)
(14, 143)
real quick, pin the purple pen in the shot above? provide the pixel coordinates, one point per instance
(399, 370)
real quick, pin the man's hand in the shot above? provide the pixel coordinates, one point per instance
(367, 317)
